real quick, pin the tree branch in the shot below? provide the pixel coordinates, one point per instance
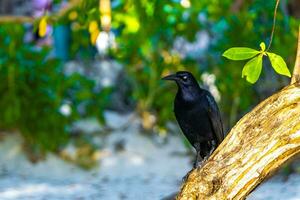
(296, 73)
(256, 146)
(16, 19)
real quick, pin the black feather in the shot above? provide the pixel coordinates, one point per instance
(197, 114)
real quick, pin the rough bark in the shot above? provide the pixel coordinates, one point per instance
(256, 146)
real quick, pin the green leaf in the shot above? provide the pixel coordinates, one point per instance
(252, 69)
(278, 64)
(262, 46)
(240, 53)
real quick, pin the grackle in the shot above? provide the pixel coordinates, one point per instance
(197, 114)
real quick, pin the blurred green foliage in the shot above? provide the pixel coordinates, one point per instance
(34, 87)
(147, 31)
(247, 25)
(31, 91)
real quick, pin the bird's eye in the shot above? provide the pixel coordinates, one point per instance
(184, 78)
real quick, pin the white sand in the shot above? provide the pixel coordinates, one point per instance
(144, 170)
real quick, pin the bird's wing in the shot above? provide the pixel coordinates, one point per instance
(215, 118)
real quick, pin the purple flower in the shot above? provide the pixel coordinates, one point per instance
(41, 4)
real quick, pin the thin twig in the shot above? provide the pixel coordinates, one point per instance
(16, 19)
(296, 72)
(274, 24)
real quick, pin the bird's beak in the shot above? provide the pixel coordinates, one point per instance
(171, 77)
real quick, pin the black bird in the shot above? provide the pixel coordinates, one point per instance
(197, 114)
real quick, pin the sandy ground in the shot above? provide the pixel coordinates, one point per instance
(144, 170)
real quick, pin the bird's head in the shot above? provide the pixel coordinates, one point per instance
(183, 79)
(188, 88)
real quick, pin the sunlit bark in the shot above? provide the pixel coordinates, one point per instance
(256, 146)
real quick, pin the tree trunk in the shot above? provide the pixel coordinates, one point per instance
(256, 146)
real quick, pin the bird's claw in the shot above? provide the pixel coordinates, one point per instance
(187, 175)
(197, 165)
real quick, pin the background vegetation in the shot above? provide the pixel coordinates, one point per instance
(34, 86)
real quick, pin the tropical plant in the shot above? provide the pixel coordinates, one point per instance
(34, 90)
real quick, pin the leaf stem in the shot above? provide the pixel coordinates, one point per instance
(274, 24)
